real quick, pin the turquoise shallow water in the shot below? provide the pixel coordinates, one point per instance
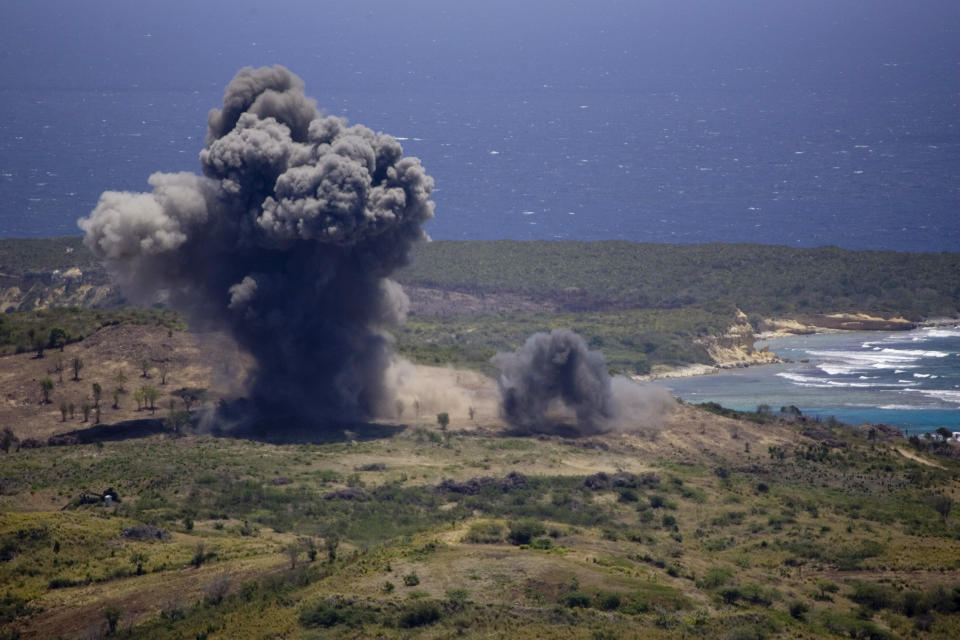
(907, 379)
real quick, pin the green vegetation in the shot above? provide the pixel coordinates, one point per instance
(26, 255)
(759, 279)
(20, 330)
(632, 341)
(201, 525)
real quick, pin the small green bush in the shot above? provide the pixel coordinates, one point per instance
(419, 614)
(578, 599)
(484, 533)
(541, 543)
(715, 577)
(523, 531)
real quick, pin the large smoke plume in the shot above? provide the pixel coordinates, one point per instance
(554, 383)
(288, 240)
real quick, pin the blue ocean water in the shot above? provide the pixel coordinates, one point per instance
(907, 379)
(544, 163)
(805, 124)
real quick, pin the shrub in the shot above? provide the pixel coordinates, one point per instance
(578, 599)
(419, 614)
(715, 577)
(608, 601)
(457, 598)
(411, 579)
(541, 543)
(730, 595)
(321, 615)
(330, 613)
(798, 609)
(523, 531)
(871, 595)
(484, 533)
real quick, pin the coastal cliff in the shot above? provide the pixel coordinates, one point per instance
(804, 324)
(70, 287)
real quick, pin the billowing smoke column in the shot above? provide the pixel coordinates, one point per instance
(555, 367)
(554, 378)
(287, 239)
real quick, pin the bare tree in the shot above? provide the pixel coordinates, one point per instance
(293, 552)
(163, 368)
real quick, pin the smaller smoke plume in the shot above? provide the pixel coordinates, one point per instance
(554, 383)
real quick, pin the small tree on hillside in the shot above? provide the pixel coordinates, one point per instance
(176, 420)
(58, 369)
(163, 368)
(443, 419)
(293, 552)
(38, 343)
(112, 614)
(97, 392)
(77, 365)
(331, 542)
(58, 338)
(46, 386)
(145, 365)
(942, 504)
(190, 396)
(121, 380)
(8, 440)
(151, 394)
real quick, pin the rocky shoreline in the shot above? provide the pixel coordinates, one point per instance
(735, 350)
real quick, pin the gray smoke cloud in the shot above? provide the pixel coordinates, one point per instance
(553, 383)
(288, 240)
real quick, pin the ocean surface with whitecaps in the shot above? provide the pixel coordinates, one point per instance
(907, 379)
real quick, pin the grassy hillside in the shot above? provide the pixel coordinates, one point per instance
(431, 535)
(701, 523)
(23, 331)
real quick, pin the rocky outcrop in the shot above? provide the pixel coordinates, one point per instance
(735, 347)
(818, 323)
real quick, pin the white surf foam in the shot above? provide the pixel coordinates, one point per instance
(824, 383)
(947, 395)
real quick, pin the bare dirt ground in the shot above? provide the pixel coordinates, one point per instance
(113, 358)
(212, 361)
